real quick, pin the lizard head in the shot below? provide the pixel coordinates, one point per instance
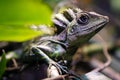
(79, 26)
(85, 25)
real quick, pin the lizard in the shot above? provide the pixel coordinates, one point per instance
(74, 27)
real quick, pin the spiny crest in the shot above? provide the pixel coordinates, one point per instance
(61, 20)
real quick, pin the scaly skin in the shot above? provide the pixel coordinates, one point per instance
(74, 27)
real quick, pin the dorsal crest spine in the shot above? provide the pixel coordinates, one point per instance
(61, 20)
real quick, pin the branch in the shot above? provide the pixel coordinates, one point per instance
(107, 71)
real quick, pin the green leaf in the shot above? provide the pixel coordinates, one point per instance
(16, 14)
(17, 33)
(2, 65)
(115, 5)
(19, 12)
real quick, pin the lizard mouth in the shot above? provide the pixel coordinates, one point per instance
(95, 28)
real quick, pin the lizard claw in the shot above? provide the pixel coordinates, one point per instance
(56, 69)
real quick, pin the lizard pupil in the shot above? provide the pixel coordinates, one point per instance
(83, 19)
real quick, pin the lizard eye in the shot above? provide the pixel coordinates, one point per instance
(83, 19)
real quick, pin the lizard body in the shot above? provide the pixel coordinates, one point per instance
(74, 27)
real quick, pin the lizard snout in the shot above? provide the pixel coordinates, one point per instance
(106, 18)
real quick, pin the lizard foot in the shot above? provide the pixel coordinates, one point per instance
(56, 69)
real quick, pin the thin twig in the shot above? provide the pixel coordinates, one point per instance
(15, 66)
(14, 63)
(105, 51)
(107, 71)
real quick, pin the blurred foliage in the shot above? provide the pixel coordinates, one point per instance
(115, 5)
(17, 33)
(3, 62)
(16, 14)
(24, 12)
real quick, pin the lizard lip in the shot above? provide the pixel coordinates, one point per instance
(99, 26)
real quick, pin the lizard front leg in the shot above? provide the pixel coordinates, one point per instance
(54, 69)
